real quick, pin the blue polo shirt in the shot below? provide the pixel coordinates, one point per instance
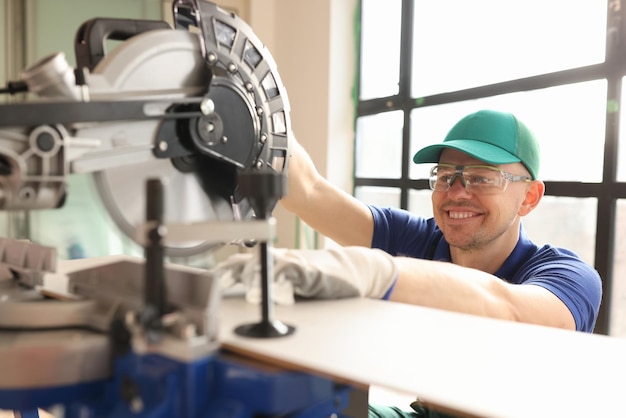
(559, 270)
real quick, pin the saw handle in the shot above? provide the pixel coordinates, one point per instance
(91, 37)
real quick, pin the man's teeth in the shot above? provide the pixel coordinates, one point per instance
(460, 215)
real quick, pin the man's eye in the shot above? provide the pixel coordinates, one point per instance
(479, 180)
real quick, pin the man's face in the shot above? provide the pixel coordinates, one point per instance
(472, 221)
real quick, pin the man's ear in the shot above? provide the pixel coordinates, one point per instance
(534, 193)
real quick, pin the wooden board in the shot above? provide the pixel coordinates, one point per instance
(479, 366)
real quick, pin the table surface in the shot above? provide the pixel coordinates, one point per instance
(480, 366)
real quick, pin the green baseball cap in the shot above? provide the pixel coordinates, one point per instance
(490, 136)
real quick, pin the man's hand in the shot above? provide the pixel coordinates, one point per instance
(319, 274)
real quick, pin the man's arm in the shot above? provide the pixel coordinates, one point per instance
(323, 206)
(451, 287)
(364, 272)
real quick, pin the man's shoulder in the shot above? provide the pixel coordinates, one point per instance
(548, 252)
(549, 261)
(526, 249)
(529, 260)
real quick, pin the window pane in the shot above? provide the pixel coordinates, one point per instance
(559, 118)
(380, 48)
(618, 301)
(3, 52)
(621, 149)
(566, 222)
(420, 203)
(378, 147)
(502, 40)
(379, 196)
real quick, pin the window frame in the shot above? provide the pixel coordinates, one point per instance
(607, 192)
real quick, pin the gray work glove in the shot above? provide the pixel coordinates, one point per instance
(319, 274)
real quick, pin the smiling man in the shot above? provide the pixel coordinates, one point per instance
(473, 256)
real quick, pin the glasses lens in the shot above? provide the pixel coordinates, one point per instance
(483, 179)
(440, 177)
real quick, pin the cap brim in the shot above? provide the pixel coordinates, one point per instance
(488, 153)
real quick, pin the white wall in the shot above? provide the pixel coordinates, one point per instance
(313, 45)
(3, 61)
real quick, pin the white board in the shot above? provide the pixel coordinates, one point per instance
(479, 366)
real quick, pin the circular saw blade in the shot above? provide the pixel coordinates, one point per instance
(158, 64)
(123, 194)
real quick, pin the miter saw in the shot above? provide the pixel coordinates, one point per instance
(196, 113)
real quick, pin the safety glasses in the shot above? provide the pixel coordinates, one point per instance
(480, 179)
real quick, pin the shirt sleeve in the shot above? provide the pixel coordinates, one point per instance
(572, 280)
(400, 233)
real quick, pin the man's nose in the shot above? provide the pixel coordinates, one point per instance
(460, 177)
(460, 188)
